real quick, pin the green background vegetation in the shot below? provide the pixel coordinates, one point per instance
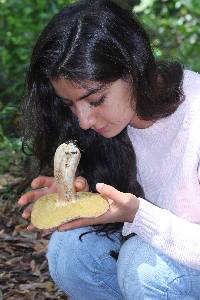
(173, 27)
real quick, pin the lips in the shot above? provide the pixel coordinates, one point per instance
(101, 130)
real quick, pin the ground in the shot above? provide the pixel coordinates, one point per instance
(23, 266)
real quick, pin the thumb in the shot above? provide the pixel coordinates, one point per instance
(109, 192)
(81, 184)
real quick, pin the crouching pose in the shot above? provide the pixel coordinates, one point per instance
(93, 79)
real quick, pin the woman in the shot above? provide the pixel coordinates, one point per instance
(93, 78)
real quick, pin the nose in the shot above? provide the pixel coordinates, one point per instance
(86, 118)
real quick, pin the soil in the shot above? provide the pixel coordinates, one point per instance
(23, 266)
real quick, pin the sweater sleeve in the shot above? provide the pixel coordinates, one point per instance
(169, 151)
(172, 235)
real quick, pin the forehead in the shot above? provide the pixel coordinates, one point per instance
(75, 91)
(64, 86)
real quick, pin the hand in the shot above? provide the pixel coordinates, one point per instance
(44, 185)
(123, 207)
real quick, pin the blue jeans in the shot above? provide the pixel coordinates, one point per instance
(86, 271)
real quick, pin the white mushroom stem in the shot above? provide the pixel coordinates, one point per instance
(66, 160)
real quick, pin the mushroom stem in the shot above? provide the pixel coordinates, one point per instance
(66, 160)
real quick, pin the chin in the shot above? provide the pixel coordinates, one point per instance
(110, 135)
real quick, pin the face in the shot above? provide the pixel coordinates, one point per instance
(105, 109)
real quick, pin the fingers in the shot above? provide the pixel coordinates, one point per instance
(109, 192)
(27, 213)
(82, 222)
(42, 181)
(43, 185)
(81, 184)
(47, 232)
(45, 181)
(31, 196)
(30, 227)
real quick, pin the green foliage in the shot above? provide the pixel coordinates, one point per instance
(10, 154)
(174, 27)
(20, 24)
(127, 4)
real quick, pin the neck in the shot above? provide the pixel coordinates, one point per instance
(139, 123)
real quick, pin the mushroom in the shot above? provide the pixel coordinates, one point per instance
(53, 210)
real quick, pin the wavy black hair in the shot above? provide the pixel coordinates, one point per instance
(95, 40)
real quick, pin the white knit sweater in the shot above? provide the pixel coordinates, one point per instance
(168, 163)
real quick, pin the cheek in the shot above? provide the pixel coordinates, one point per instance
(108, 113)
(118, 113)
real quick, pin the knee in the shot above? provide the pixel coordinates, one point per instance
(65, 256)
(76, 264)
(144, 272)
(137, 268)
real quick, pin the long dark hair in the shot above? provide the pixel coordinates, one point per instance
(95, 40)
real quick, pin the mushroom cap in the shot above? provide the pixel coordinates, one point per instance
(47, 213)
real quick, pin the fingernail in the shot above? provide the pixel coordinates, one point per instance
(61, 230)
(99, 186)
(79, 183)
(34, 185)
(20, 201)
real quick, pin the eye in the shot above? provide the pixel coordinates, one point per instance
(68, 103)
(98, 102)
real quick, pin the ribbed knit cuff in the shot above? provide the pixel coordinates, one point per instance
(145, 223)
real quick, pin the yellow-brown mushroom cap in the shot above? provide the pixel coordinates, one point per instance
(47, 214)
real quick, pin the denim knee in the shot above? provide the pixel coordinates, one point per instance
(145, 273)
(82, 269)
(56, 259)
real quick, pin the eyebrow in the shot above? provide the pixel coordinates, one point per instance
(91, 91)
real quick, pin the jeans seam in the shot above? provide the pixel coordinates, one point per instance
(102, 283)
(178, 277)
(100, 257)
(123, 278)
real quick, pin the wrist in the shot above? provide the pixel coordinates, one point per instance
(135, 203)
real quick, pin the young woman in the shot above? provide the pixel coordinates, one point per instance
(93, 78)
